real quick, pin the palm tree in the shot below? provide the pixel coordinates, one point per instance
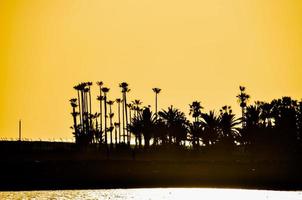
(119, 101)
(136, 103)
(143, 124)
(195, 110)
(211, 128)
(105, 90)
(110, 103)
(78, 89)
(136, 127)
(176, 123)
(74, 115)
(125, 89)
(228, 125)
(89, 84)
(86, 111)
(100, 84)
(253, 127)
(131, 108)
(242, 99)
(156, 91)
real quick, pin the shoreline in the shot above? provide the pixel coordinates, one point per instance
(147, 174)
(35, 167)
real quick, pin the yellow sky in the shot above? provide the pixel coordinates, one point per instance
(193, 50)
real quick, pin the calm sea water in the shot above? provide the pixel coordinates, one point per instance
(155, 193)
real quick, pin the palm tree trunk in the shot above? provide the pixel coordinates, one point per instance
(101, 118)
(79, 101)
(82, 113)
(156, 106)
(87, 116)
(126, 117)
(111, 139)
(124, 139)
(90, 119)
(115, 131)
(105, 130)
(119, 121)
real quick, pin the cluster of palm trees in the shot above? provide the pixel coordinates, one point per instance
(278, 122)
(99, 127)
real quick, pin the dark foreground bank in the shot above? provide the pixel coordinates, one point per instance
(72, 169)
(124, 174)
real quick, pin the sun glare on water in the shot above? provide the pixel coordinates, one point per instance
(157, 193)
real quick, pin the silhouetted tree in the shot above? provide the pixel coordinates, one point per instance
(119, 101)
(211, 124)
(177, 124)
(156, 91)
(100, 99)
(124, 86)
(195, 128)
(105, 90)
(110, 103)
(242, 99)
(74, 116)
(228, 126)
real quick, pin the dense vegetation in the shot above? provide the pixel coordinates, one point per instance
(275, 125)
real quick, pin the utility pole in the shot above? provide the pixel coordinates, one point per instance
(20, 130)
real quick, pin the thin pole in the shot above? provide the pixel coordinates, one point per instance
(20, 130)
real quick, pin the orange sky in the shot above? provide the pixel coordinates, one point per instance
(193, 50)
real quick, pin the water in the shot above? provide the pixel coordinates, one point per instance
(156, 194)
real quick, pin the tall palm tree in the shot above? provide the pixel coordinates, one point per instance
(124, 86)
(156, 91)
(242, 99)
(110, 103)
(74, 115)
(195, 110)
(136, 103)
(89, 84)
(100, 84)
(105, 90)
(87, 113)
(78, 89)
(131, 108)
(119, 101)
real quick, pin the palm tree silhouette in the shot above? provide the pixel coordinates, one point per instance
(242, 99)
(100, 98)
(195, 111)
(119, 101)
(176, 123)
(78, 89)
(228, 125)
(136, 103)
(74, 115)
(211, 128)
(156, 91)
(125, 89)
(89, 84)
(105, 90)
(110, 103)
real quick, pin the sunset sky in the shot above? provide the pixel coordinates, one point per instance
(193, 50)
